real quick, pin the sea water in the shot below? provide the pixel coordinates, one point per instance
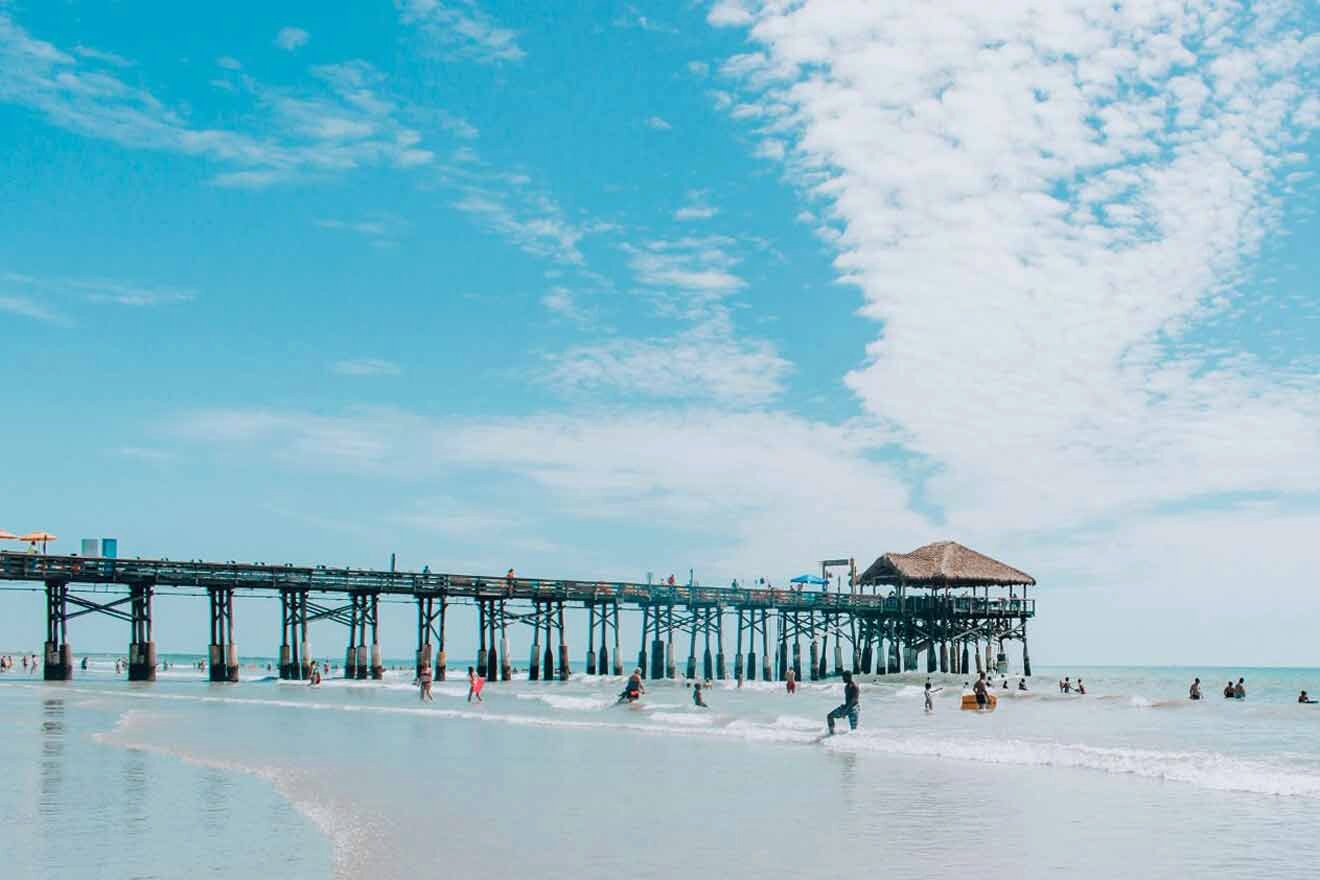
(103, 778)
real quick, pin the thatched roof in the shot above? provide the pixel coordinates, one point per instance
(943, 564)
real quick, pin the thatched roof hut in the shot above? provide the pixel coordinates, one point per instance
(942, 565)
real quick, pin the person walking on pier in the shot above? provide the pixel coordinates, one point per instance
(852, 695)
(475, 684)
(1194, 692)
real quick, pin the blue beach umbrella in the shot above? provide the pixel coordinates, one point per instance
(809, 579)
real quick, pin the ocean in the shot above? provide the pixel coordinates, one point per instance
(103, 778)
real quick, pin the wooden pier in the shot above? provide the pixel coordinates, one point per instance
(942, 602)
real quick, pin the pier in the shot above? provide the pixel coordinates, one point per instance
(941, 607)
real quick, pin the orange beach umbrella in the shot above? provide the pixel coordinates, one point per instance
(7, 536)
(34, 537)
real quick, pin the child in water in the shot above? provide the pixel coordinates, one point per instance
(697, 699)
(475, 684)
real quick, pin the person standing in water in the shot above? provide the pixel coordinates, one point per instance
(1303, 698)
(1194, 692)
(1022, 683)
(790, 680)
(1240, 692)
(696, 696)
(981, 689)
(852, 696)
(424, 684)
(633, 690)
(475, 684)
(930, 697)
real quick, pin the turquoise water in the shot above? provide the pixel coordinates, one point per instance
(108, 779)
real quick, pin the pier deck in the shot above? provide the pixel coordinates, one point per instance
(930, 621)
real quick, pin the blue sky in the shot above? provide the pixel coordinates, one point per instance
(602, 289)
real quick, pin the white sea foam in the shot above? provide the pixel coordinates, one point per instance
(561, 701)
(685, 719)
(1204, 769)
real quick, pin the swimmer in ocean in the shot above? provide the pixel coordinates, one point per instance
(1303, 698)
(1194, 692)
(697, 699)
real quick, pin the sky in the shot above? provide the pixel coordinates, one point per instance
(609, 289)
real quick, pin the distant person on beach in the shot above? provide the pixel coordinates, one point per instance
(314, 678)
(852, 695)
(633, 690)
(1194, 692)
(981, 689)
(696, 696)
(25, 662)
(790, 680)
(424, 680)
(1240, 692)
(740, 679)
(930, 697)
(1303, 698)
(475, 684)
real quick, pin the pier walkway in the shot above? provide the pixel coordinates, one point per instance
(887, 631)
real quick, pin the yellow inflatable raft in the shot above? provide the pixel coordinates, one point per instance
(969, 702)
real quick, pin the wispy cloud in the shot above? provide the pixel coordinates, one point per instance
(561, 302)
(701, 268)
(291, 38)
(705, 363)
(344, 121)
(532, 221)
(698, 207)
(367, 367)
(28, 308)
(658, 123)
(36, 295)
(459, 28)
(380, 229)
(634, 18)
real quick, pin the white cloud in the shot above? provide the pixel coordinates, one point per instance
(698, 68)
(291, 38)
(532, 221)
(344, 120)
(380, 229)
(704, 363)
(658, 123)
(698, 207)
(699, 267)
(460, 29)
(229, 63)
(367, 367)
(25, 307)
(561, 302)
(1038, 203)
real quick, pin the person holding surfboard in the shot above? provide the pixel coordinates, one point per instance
(852, 695)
